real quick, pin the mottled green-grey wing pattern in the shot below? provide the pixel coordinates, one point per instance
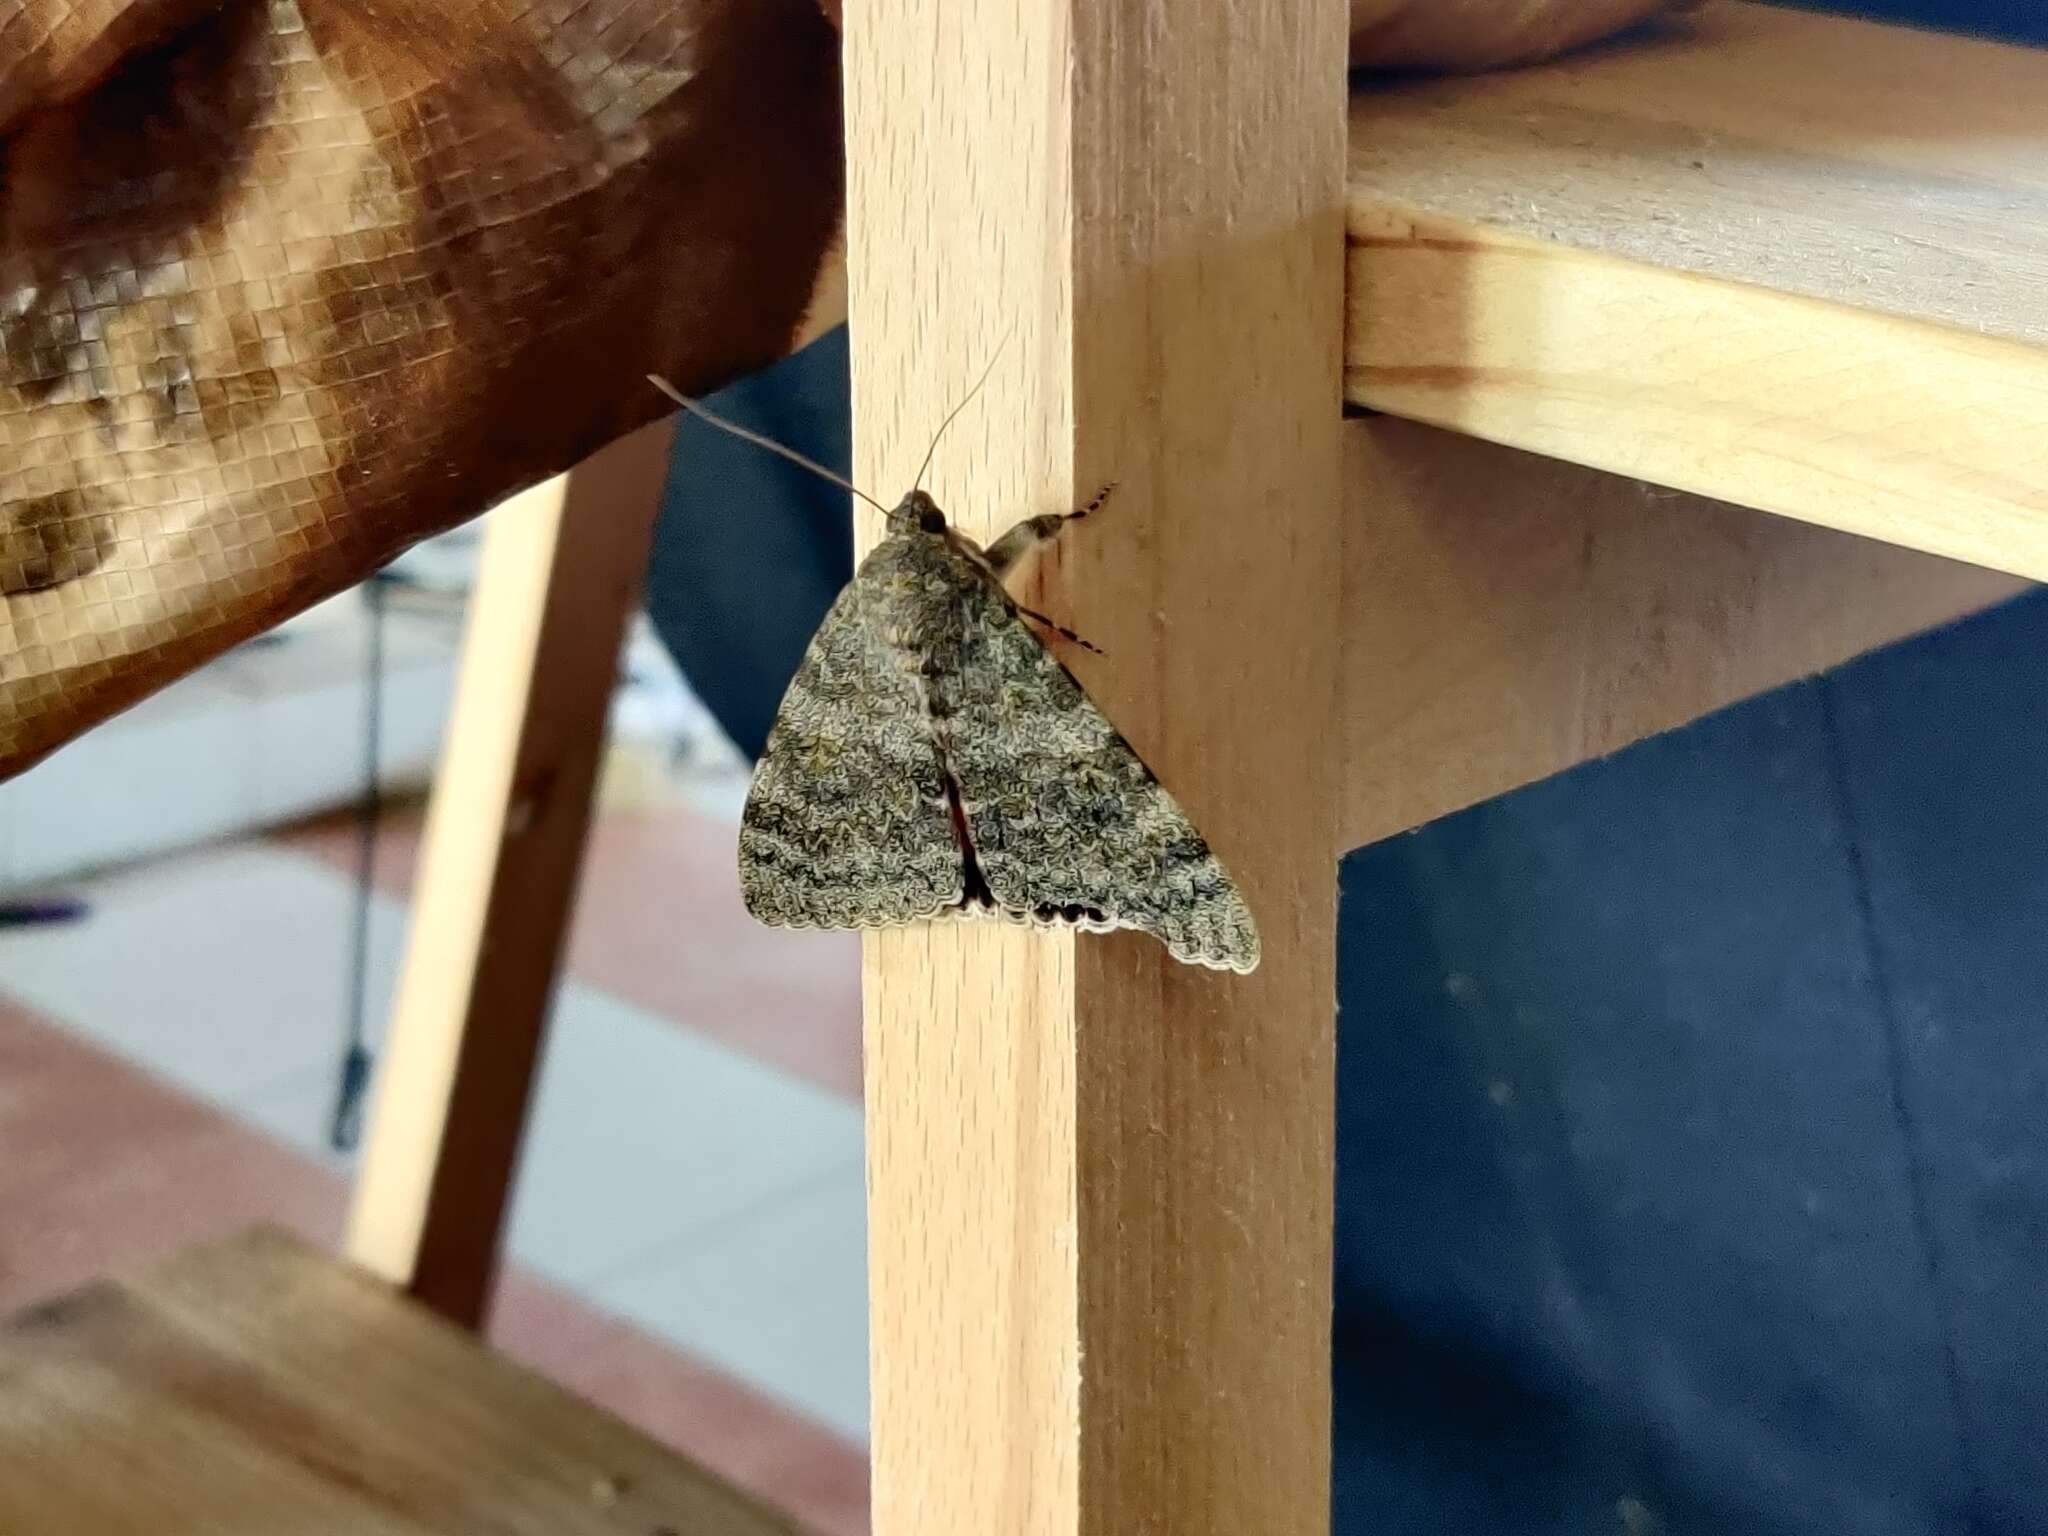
(1067, 823)
(847, 825)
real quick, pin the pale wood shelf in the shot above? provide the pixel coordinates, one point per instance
(257, 1387)
(1795, 262)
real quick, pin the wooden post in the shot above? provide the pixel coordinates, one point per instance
(561, 575)
(1099, 1183)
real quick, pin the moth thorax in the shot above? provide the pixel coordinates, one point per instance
(917, 512)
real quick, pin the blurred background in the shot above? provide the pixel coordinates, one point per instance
(1693, 1165)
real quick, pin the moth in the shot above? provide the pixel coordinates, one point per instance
(933, 760)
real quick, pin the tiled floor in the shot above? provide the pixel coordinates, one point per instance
(687, 1228)
(107, 1166)
(789, 1000)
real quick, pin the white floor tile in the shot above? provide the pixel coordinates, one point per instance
(268, 732)
(171, 772)
(306, 747)
(643, 1136)
(298, 1110)
(224, 971)
(718, 792)
(778, 1298)
(644, 1133)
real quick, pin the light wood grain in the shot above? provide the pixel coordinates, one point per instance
(254, 1387)
(1878, 167)
(561, 573)
(1508, 616)
(1099, 1184)
(1789, 261)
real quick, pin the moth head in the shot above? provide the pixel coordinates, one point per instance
(917, 512)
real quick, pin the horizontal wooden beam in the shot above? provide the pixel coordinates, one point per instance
(1692, 260)
(1508, 616)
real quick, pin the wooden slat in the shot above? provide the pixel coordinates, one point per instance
(1508, 616)
(1099, 1183)
(561, 574)
(1886, 169)
(256, 1387)
(1789, 261)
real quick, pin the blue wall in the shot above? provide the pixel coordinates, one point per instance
(2017, 20)
(1693, 1144)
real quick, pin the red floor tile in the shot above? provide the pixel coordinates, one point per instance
(103, 1167)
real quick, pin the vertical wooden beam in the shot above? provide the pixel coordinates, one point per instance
(1100, 1184)
(560, 577)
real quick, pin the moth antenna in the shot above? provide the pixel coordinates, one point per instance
(987, 369)
(747, 435)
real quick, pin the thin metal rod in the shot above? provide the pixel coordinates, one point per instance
(345, 1127)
